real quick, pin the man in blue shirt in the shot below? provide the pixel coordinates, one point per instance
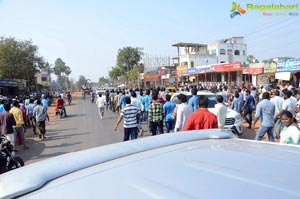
(146, 102)
(45, 104)
(168, 110)
(248, 108)
(193, 100)
(122, 100)
(265, 111)
(237, 103)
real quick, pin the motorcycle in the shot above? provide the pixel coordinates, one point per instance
(7, 151)
(60, 112)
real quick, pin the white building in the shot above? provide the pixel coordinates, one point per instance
(232, 52)
(229, 50)
(193, 54)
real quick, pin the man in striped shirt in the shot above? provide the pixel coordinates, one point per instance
(129, 113)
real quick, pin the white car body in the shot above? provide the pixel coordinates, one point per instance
(233, 119)
(196, 164)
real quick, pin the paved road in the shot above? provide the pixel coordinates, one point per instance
(82, 129)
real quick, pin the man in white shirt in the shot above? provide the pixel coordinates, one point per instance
(277, 101)
(221, 111)
(288, 104)
(101, 105)
(184, 110)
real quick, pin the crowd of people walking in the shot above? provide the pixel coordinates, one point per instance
(277, 109)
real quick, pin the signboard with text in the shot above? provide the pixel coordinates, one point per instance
(288, 65)
(181, 70)
(226, 67)
(151, 77)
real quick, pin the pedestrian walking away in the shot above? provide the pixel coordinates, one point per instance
(19, 128)
(221, 111)
(169, 108)
(202, 118)
(156, 115)
(183, 112)
(40, 114)
(101, 105)
(129, 113)
(7, 121)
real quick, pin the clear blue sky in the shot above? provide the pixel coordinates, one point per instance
(87, 34)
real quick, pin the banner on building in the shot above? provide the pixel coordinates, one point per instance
(226, 67)
(272, 67)
(162, 71)
(192, 71)
(181, 70)
(253, 71)
(204, 68)
(8, 83)
(151, 77)
(288, 65)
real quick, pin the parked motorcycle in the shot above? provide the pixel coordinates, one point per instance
(7, 151)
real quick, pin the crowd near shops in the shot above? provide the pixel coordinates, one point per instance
(276, 107)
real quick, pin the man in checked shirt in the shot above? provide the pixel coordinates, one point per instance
(156, 114)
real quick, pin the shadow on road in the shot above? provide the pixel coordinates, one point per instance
(45, 156)
(75, 115)
(64, 145)
(59, 137)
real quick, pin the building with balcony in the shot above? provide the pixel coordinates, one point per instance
(207, 64)
(229, 50)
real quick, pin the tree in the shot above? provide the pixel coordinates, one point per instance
(59, 67)
(19, 59)
(133, 75)
(252, 59)
(102, 81)
(114, 73)
(68, 71)
(127, 58)
(81, 82)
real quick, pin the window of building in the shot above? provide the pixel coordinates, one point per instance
(244, 53)
(222, 62)
(222, 52)
(229, 52)
(236, 52)
(192, 64)
(184, 63)
(44, 79)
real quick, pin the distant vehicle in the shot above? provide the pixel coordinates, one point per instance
(195, 164)
(233, 119)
